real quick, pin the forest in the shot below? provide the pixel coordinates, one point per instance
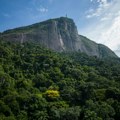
(37, 83)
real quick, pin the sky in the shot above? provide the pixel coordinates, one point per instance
(99, 20)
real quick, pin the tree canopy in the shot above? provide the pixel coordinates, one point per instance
(39, 84)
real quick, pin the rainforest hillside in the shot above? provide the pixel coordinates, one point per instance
(39, 84)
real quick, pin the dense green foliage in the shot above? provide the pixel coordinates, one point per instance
(39, 84)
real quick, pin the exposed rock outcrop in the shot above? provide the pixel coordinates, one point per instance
(58, 34)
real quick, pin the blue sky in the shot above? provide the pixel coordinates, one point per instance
(99, 20)
(15, 13)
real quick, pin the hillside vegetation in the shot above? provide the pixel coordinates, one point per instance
(39, 84)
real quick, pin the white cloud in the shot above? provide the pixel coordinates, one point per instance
(42, 9)
(106, 26)
(106, 17)
(111, 35)
(38, 7)
(117, 52)
(103, 6)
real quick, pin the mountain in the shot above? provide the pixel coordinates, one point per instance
(37, 83)
(59, 34)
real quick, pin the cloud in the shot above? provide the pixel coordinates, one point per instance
(103, 6)
(37, 5)
(106, 26)
(117, 52)
(111, 35)
(42, 9)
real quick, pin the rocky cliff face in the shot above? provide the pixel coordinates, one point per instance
(58, 34)
(93, 49)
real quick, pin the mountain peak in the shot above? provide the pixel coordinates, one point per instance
(59, 34)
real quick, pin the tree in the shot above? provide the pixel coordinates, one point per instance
(51, 95)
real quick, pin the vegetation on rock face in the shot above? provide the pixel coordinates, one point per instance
(39, 84)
